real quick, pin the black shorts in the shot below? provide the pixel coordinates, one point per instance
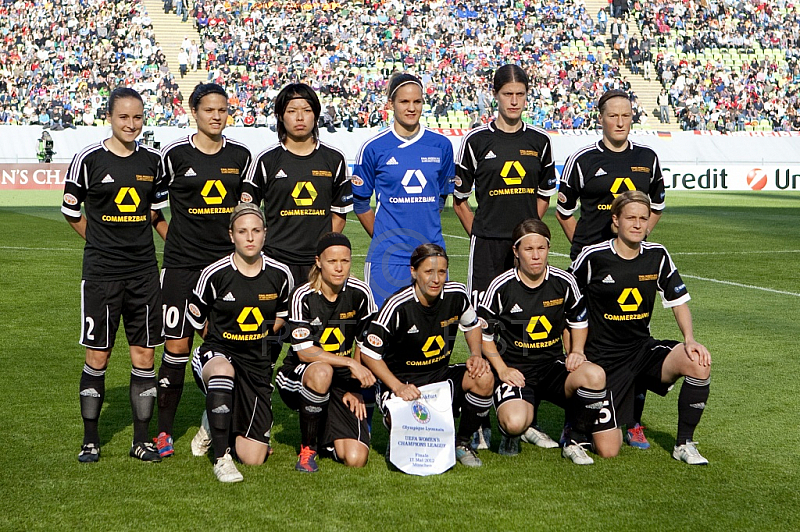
(643, 366)
(453, 374)
(251, 415)
(488, 258)
(548, 385)
(136, 300)
(177, 285)
(299, 272)
(340, 422)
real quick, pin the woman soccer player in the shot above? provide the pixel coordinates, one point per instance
(525, 310)
(594, 176)
(204, 173)
(242, 300)
(511, 166)
(301, 181)
(322, 376)
(409, 168)
(119, 183)
(410, 342)
(620, 279)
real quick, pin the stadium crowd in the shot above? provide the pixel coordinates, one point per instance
(60, 60)
(725, 65)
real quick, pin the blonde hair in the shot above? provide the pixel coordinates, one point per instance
(625, 199)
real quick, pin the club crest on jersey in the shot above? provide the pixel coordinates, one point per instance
(194, 310)
(357, 181)
(420, 412)
(69, 199)
(374, 340)
(562, 198)
(301, 333)
(247, 198)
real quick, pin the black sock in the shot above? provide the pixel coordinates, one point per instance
(536, 403)
(474, 408)
(640, 394)
(691, 403)
(312, 408)
(92, 391)
(171, 375)
(582, 411)
(219, 403)
(143, 400)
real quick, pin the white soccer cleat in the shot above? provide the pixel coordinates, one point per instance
(688, 453)
(481, 439)
(226, 470)
(536, 437)
(201, 442)
(575, 452)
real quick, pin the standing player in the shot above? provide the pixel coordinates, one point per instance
(525, 310)
(301, 181)
(410, 342)
(204, 172)
(511, 165)
(409, 168)
(119, 183)
(594, 176)
(327, 314)
(620, 279)
(242, 301)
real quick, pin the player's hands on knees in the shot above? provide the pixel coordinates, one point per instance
(355, 402)
(477, 366)
(697, 352)
(408, 392)
(362, 375)
(574, 361)
(512, 376)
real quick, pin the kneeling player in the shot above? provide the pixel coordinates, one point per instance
(243, 299)
(620, 279)
(326, 315)
(526, 308)
(410, 342)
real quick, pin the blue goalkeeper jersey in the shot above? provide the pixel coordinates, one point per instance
(408, 177)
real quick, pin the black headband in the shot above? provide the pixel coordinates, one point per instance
(332, 239)
(434, 254)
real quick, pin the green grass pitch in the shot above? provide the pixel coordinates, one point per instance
(738, 253)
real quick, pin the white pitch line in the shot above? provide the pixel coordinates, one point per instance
(735, 252)
(740, 285)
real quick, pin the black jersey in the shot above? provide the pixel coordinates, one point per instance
(203, 190)
(118, 194)
(620, 295)
(299, 195)
(509, 171)
(595, 175)
(241, 311)
(330, 325)
(414, 339)
(528, 322)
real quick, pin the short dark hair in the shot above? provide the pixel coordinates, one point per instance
(202, 90)
(399, 79)
(296, 91)
(509, 74)
(613, 93)
(118, 94)
(531, 226)
(424, 251)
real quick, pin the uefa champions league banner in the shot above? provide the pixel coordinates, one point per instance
(422, 440)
